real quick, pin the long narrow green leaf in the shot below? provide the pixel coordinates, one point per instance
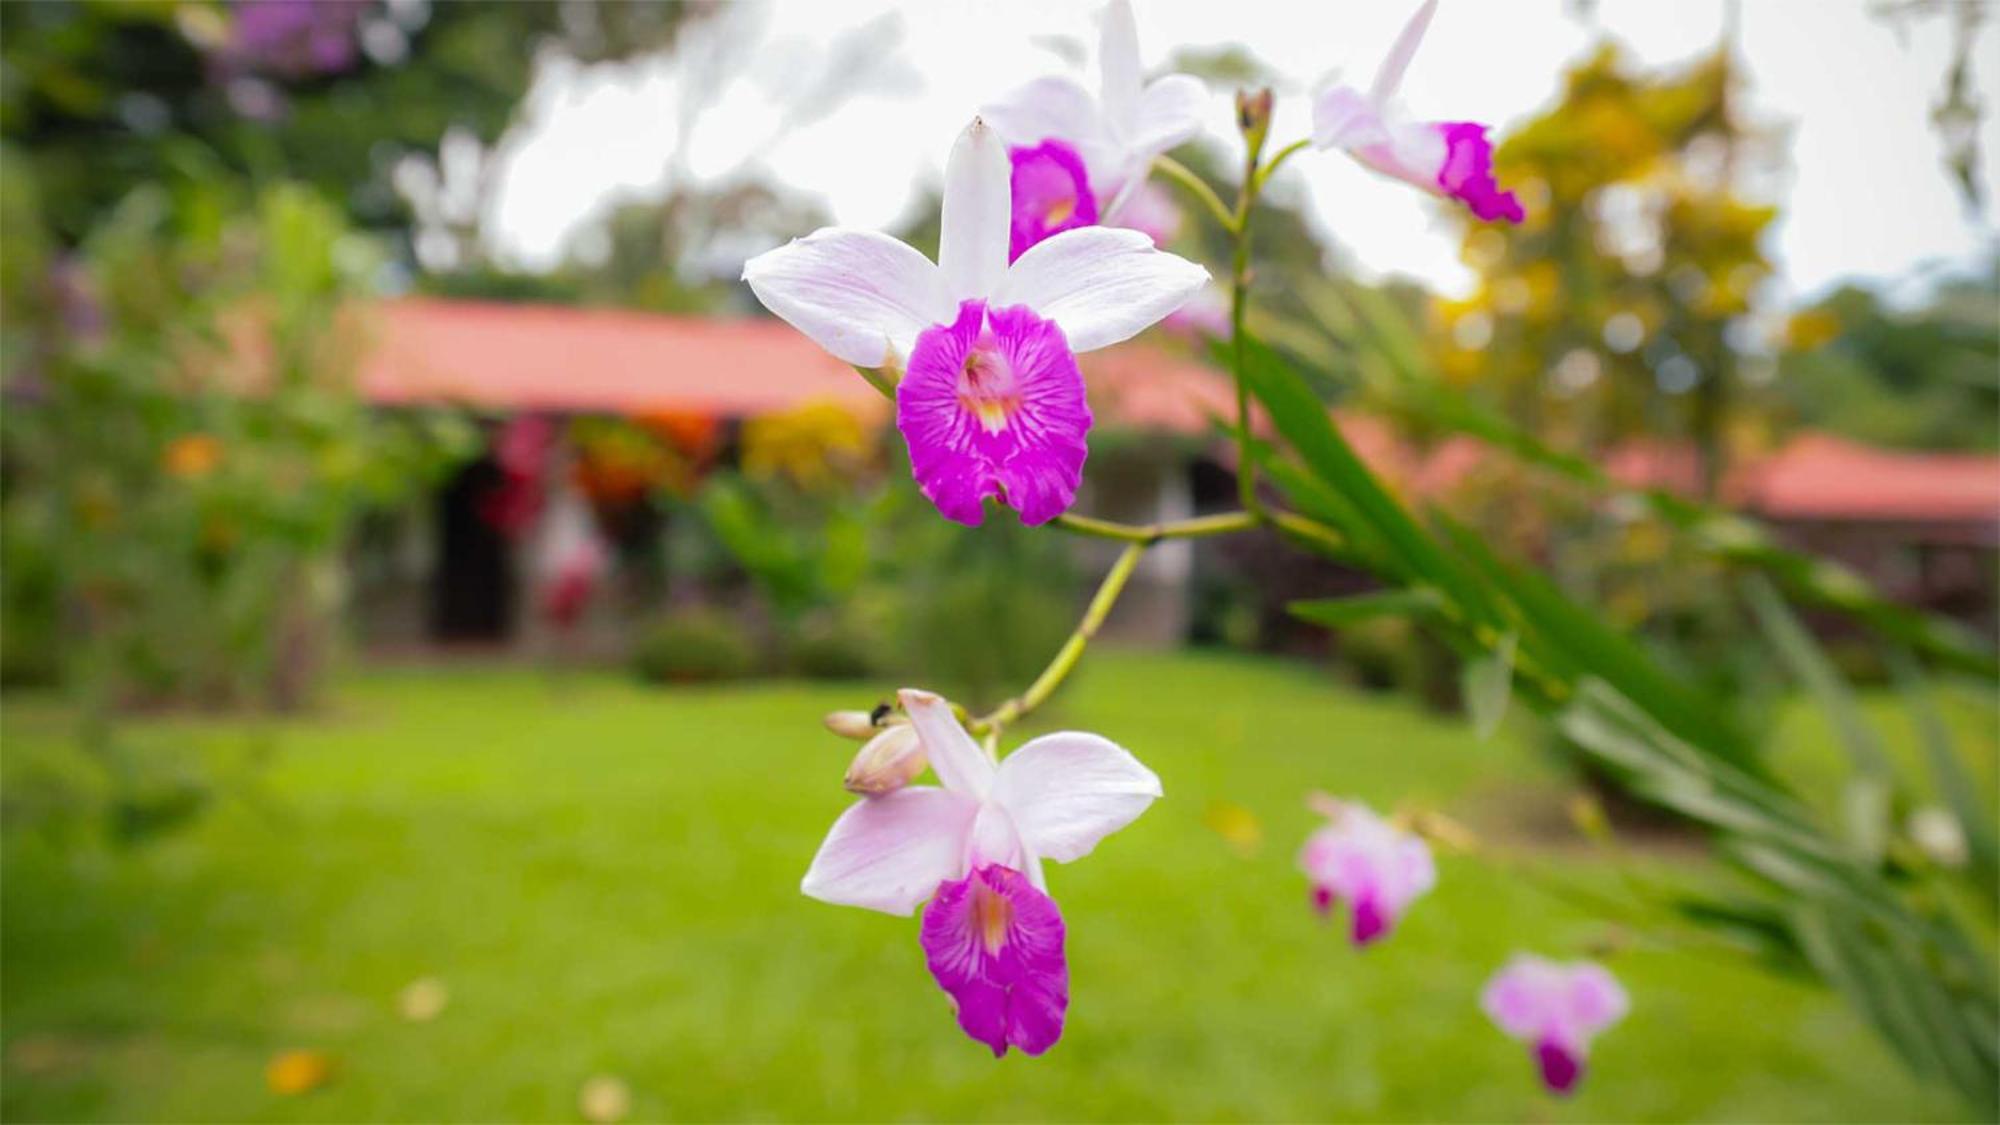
(1948, 772)
(1305, 423)
(1585, 642)
(1339, 613)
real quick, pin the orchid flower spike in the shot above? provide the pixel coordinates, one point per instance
(991, 935)
(1556, 1009)
(1449, 158)
(1078, 158)
(991, 402)
(1377, 868)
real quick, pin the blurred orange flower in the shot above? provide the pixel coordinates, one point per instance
(192, 456)
(298, 1071)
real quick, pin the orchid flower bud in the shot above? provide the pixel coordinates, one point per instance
(857, 725)
(1253, 116)
(889, 761)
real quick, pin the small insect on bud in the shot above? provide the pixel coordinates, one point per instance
(890, 760)
(1253, 116)
(857, 725)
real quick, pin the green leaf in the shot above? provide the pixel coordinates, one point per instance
(1339, 613)
(1305, 423)
(1572, 638)
(1488, 683)
(1948, 772)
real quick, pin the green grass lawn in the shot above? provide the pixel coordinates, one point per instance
(606, 879)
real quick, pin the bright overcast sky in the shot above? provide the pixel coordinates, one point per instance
(1864, 195)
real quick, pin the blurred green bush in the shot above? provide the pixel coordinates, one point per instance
(695, 646)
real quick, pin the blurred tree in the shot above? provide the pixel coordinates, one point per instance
(1927, 378)
(1611, 311)
(338, 94)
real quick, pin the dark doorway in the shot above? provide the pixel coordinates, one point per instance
(472, 592)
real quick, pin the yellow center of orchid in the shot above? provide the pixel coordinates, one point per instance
(987, 389)
(1059, 211)
(992, 915)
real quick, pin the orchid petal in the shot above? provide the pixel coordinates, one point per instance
(1100, 285)
(861, 295)
(1596, 1000)
(1169, 114)
(1068, 791)
(1345, 118)
(889, 853)
(1055, 106)
(1118, 63)
(958, 761)
(1390, 77)
(977, 214)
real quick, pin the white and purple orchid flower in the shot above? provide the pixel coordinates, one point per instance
(1449, 158)
(1081, 158)
(991, 401)
(992, 936)
(1556, 1009)
(1362, 860)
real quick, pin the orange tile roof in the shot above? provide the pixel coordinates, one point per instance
(506, 356)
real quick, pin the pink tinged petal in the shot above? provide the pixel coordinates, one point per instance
(1170, 112)
(861, 295)
(1345, 118)
(1051, 194)
(1100, 285)
(995, 944)
(1118, 60)
(994, 405)
(1069, 790)
(1467, 175)
(1149, 210)
(889, 853)
(1561, 1067)
(995, 839)
(1390, 77)
(972, 239)
(1048, 107)
(1595, 1000)
(957, 760)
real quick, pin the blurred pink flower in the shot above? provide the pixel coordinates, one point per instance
(1449, 158)
(1373, 866)
(1051, 194)
(991, 935)
(1556, 1009)
(992, 403)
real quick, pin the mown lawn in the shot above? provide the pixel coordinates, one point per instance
(606, 879)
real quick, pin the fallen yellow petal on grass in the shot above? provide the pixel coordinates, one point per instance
(1238, 826)
(423, 999)
(604, 1099)
(298, 1072)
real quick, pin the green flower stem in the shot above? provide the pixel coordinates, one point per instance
(1239, 304)
(1284, 154)
(1072, 650)
(1197, 187)
(1222, 523)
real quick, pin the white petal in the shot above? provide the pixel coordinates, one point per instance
(1067, 791)
(1118, 63)
(1390, 77)
(889, 853)
(1100, 284)
(858, 294)
(1047, 107)
(978, 198)
(1345, 118)
(1169, 114)
(955, 758)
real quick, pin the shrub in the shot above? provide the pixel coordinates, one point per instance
(831, 646)
(694, 646)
